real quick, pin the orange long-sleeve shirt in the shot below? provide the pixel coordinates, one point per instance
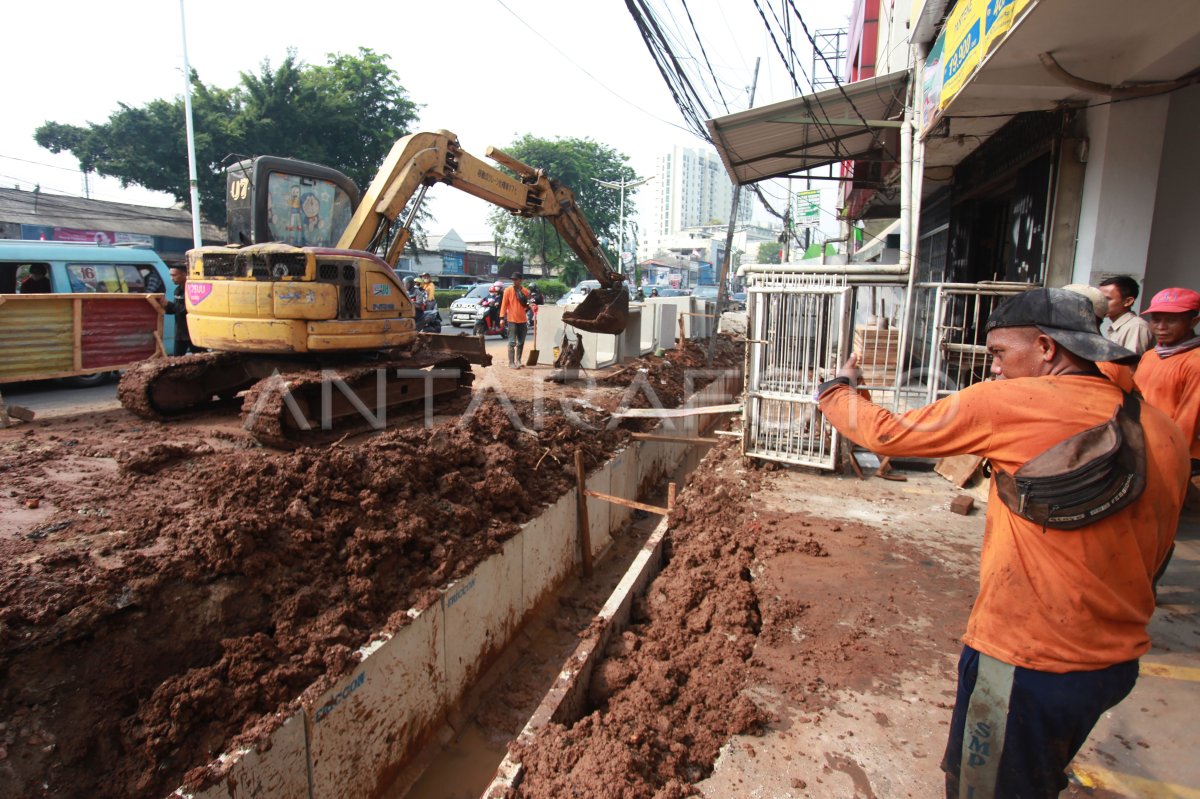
(1059, 600)
(1173, 386)
(511, 309)
(1119, 373)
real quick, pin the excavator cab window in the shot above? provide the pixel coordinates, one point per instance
(289, 201)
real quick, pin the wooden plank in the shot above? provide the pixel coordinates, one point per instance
(585, 533)
(627, 503)
(959, 469)
(676, 413)
(674, 439)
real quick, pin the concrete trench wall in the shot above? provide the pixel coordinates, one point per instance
(353, 739)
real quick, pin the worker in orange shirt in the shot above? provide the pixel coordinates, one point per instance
(1169, 374)
(1119, 373)
(1065, 590)
(514, 309)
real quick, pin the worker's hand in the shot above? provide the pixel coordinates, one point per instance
(850, 370)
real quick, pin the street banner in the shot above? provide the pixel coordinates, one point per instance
(972, 30)
(806, 210)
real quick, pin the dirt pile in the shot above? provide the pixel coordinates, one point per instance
(678, 373)
(669, 692)
(180, 595)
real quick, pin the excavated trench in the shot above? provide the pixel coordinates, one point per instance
(172, 593)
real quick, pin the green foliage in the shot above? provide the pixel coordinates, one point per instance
(345, 114)
(768, 252)
(443, 297)
(551, 289)
(576, 164)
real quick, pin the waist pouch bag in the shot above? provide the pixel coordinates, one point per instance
(1083, 479)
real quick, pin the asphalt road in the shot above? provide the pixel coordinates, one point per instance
(49, 397)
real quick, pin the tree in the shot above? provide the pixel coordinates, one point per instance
(346, 114)
(577, 164)
(768, 252)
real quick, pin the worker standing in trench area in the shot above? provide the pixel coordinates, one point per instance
(514, 307)
(1067, 572)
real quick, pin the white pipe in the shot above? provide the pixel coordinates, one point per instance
(822, 269)
(906, 183)
(911, 253)
(193, 181)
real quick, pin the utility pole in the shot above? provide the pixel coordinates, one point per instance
(193, 181)
(623, 185)
(737, 196)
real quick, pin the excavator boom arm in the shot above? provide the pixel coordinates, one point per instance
(423, 159)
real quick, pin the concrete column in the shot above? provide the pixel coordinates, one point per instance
(1172, 260)
(1120, 188)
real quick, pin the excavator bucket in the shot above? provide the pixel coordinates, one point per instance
(602, 311)
(463, 346)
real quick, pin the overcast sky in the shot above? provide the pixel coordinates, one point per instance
(488, 70)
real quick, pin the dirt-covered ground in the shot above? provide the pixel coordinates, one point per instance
(168, 590)
(776, 599)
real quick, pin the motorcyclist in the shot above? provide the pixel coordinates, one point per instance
(416, 294)
(495, 293)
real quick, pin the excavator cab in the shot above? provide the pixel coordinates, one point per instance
(271, 199)
(603, 310)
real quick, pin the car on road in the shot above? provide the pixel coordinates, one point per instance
(666, 291)
(705, 292)
(737, 301)
(465, 309)
(463, 286)
(576, 295)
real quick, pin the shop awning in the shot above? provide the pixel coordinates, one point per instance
(857, 122)
(1109, 42)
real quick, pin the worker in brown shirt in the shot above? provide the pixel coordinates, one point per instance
(1128, 329)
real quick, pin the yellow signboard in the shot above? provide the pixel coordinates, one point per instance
(964, 45)
(971, 31)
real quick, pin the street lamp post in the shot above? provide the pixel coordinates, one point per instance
(623, 185)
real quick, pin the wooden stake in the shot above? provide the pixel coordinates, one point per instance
(670, 496)
(849, 450)
(585, 533)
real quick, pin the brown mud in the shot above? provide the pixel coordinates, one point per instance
(754, 603)
(170, 591)
(669, 692)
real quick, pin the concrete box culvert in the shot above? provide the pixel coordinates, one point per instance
(353, 739)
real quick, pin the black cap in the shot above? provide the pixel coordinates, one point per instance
(516, 276)
(1064, 316)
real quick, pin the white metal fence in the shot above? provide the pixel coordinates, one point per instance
(802, 327)
(798, 336)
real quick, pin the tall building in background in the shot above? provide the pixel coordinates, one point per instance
(692, 190)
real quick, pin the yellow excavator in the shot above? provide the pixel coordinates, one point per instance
(304, 312)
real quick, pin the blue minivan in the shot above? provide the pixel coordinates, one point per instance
(75, 268)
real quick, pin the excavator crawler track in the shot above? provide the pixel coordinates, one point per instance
(294, 409)
(162, 388)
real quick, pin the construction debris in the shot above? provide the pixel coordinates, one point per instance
(962, 505)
